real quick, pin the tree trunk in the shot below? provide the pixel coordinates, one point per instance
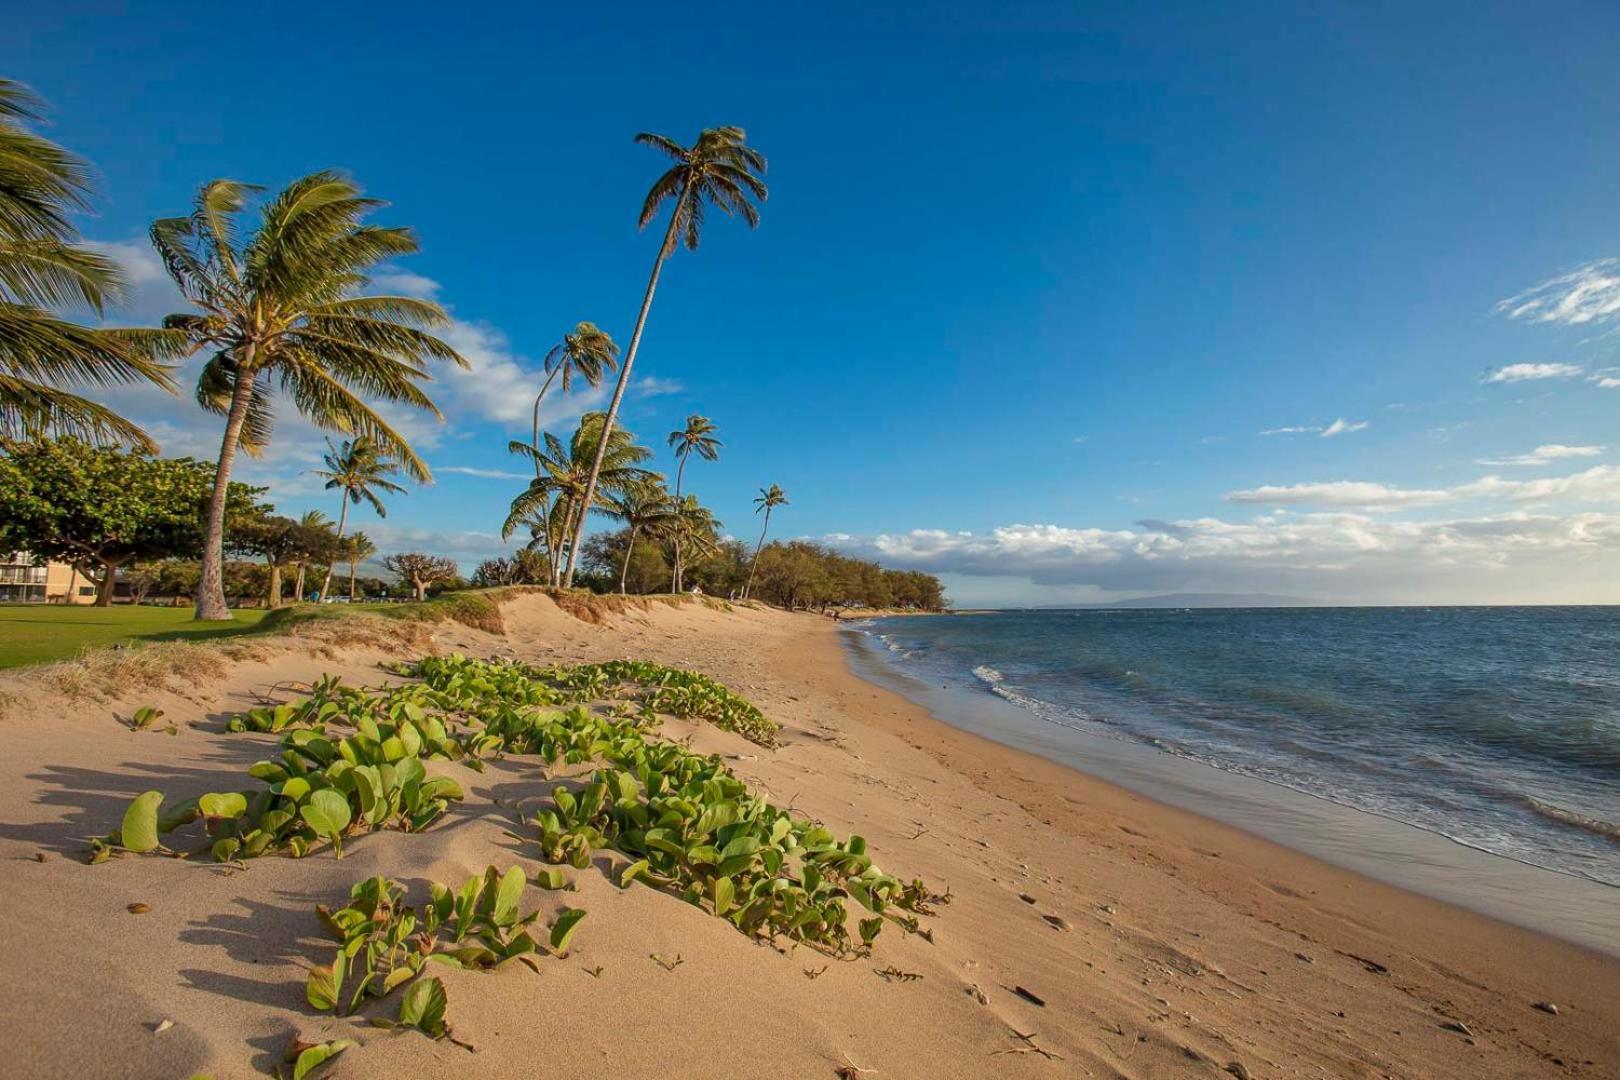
(421, 589)
(298, 585)
(624, 571)
(104, 587)
(552, 374)
(211, 588)
(624, 373)
(757, 549)
(343, 517)
(273, 599)
(675, 567)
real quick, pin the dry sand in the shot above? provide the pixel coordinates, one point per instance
(1161, 943)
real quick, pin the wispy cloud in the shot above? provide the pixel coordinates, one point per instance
(1606, 378)
(1361, 495)
(485, 474)
(652, 386)
(1341, 426)
(1590, 293)
(1545, 455)
(395, 281)
(1513, 373)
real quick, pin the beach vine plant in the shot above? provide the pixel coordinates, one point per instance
(382, 943)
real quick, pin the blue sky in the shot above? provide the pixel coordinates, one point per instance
(1031, 283)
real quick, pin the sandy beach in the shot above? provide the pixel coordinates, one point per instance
(1156, 942)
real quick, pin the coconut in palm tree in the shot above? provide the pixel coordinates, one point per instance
(719, 170)
(696, 437)
(768, 499)
(286, 305)
(358, 470)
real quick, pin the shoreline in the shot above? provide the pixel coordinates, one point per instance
(1380, 847)
(1155, 942)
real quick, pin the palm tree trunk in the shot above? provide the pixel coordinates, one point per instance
(211, 588)
(552, 374)
(343, 516)
(298, 585)
(353, 566)
(624, 372)
(624, 571)
(757, 549)
(675, 569)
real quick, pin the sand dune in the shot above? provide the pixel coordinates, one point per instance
(1160, 943)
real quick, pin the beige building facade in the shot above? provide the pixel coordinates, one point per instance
(21, 582)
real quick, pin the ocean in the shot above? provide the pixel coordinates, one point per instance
(1495, 728)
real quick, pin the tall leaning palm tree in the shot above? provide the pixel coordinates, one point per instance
(357, 548)
(42, 269)
(586, 352)
(696, 437)
(719, 170)
(358, 470)
(286, 306)
(768, 499)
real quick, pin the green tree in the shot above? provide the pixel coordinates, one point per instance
(562, 474)
(43, 269)
(357, 469)
(719, 170)
(769, 499)
(277, 540)
(696, 437)
(646, 509)
(285, 303)
(420, 570)
(694, 527)
(102, 508)
(317, 543)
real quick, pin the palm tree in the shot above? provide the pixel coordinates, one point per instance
(769, 499)
(357, 548)
(359, 470)
(719, 170)
(563, 474)
(316, 541)
(42, 268)
(587, 352)
(286, 304)
(645, 508)
(697, 436)
(693, 526)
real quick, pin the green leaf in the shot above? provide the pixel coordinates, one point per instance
(631, 872)
(140, 829)
(562, 931)
(724, 891)
(316, 1056)
(324, 989)
(423, 1005)
(227, 805)
(551, 878)
(327, 813)
(507, 895)
(225, 850)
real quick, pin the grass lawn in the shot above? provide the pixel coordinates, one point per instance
(40, 634)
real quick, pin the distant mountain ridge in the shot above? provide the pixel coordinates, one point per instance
(1206, 600)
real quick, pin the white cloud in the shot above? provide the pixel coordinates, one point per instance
(1545, 455)
(1341, 426)
(1342, 493)
(1341, 554)
(1523, 372)
(1587, 294)
(394, 281)
(1601, 483)
(1607, 378)
(1293, 430)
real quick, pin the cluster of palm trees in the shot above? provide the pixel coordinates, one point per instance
(279, 302)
